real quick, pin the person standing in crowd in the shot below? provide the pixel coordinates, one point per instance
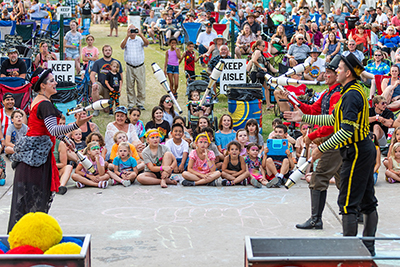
(87, 6)
(73, 4)
(100, 68)
(115, 8)
(330, 162)
(351, 126)
(36, 175)
(133, 46)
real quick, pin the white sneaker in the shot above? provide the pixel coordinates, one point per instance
(126, 183)
(95, 113)
(111, 181)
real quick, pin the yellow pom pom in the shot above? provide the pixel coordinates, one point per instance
(65, 248)
(35, 229)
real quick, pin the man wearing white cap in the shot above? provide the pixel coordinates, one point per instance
(298, 52)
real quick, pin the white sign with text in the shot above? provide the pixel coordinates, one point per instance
(234, 72)
(64, 10)
(63, 71)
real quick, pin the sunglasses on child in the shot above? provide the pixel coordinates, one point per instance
(95, 148)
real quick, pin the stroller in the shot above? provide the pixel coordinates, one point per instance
(199, 83)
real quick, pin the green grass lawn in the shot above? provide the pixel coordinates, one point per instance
(154, 90)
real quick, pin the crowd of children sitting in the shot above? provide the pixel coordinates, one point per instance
(175, 154)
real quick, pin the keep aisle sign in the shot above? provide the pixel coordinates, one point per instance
(64, 10)
(63, 71)
(234, 72)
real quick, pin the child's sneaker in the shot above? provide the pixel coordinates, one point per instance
(2, 182)
(244, 182)
(211, 183)
(126, 183)
(227, 183)
(112, 182)
(79, 185)
(111, 113)
(276, 182)
(188, 183)
(255, 183)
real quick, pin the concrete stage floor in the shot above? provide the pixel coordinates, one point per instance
(197, 226)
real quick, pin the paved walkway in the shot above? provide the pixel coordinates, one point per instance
(201, 226)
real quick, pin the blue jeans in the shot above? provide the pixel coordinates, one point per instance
(202, 50)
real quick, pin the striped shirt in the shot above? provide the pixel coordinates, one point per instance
(5, 121)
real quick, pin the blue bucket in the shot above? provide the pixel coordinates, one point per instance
(242, 111)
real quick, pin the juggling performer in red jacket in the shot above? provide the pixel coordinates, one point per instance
(330, 162)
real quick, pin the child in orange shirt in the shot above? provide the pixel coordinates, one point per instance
(120, 137)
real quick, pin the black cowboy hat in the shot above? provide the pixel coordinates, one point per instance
(355, 66)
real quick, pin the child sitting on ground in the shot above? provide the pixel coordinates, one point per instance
(201, 167)
(134, 117)
(178, 147)
(234, 169)
(159, 162)
(83, 177)
(97, 137)
(219, 158)
(186, 134)
(276, 122)
(243, 139)
(253, 132)
(15, 131)
(254, 165)
(125, 170)
(393, 171)
(304, 128)
(194, 105)
(278, 166)
(76, 136)
(65, 170)
(226, 133)
(120, 137)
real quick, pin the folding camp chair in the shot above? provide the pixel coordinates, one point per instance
(21, 91)
(6, 27)
(44, 27)
(215, 15)
(86, 26)
(27, 30)
(192, 30)
(221, 29)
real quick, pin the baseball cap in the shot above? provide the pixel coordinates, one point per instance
(208, 24)
(8, 95)
(228, 12)
(121, 109)
(12, 50)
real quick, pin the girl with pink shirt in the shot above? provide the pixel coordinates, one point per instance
(201, 168)
(171, 67)
(89, 52)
